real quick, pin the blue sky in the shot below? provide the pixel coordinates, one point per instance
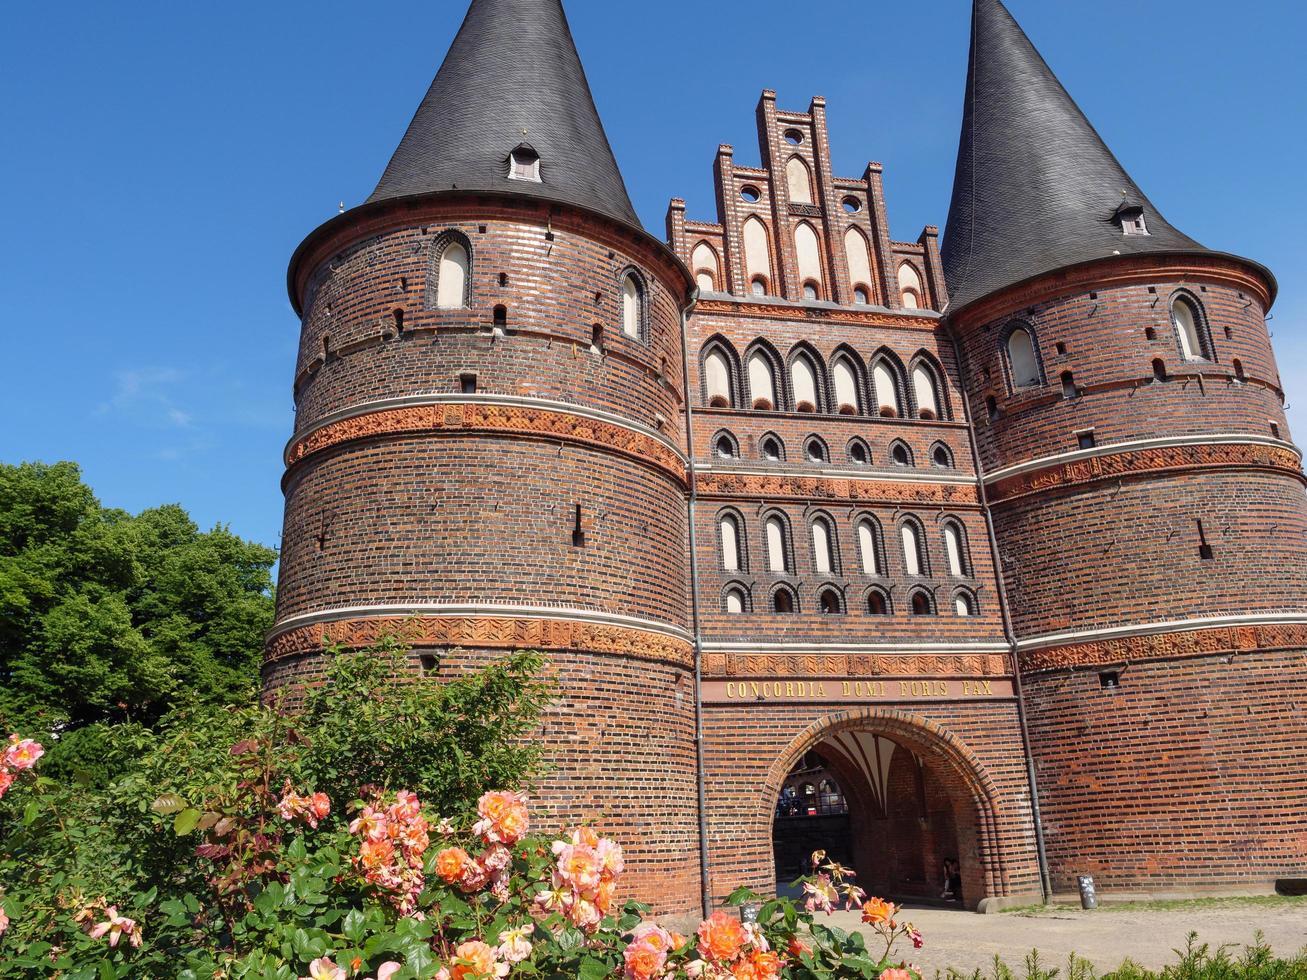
(161, 161)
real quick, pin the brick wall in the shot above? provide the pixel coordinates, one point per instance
(1190, 774)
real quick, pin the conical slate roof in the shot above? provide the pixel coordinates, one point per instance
(512, 77)
(1036, 189)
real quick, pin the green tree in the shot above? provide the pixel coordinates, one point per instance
(106, 617)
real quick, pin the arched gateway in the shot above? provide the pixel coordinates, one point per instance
(885, 790)
(894, 796)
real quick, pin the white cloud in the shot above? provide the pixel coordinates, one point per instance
(147, 394)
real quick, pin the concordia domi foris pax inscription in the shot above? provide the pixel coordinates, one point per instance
(837, 691)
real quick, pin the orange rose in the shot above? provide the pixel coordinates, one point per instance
(504, 818)
(720, 937)
(758, 966)
(450, 864)
(877, 910)
(474, 959)
(604, 894)
(579, 866)
(644, 959)
(797, 947)
(894, 973)
(376, 853)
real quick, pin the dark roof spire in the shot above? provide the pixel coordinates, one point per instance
(1036, 189)
(512, 79)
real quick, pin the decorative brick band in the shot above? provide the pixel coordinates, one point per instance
(484, 631)
(1166, 646)
(855, 665)
(1160, 459)
(770, 311)
(834, 488)
(500, 419)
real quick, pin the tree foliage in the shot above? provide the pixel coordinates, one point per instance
(107, 617)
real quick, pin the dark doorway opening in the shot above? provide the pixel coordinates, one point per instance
(811, 815)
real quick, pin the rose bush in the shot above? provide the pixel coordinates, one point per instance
(259, 844)
(293, 895)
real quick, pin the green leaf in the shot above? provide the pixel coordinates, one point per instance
(185, 822)
(593, 969)
(418, 957)
(31, 812)
(742, 895)
(168, 804)
(353, 927)
(570, 939)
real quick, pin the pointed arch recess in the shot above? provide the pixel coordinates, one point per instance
(757, 249)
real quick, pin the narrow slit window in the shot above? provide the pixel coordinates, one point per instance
(1184, 315)
(912, 550)
(1022, 359)
(953, 547)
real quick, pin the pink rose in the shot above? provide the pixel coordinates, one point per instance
(22, 753)
(116, 927)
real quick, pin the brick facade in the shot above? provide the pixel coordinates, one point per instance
(1148, 568)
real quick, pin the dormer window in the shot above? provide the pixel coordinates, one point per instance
(524, 164)
(1131, 219)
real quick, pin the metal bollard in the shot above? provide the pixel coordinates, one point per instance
(1088, 897)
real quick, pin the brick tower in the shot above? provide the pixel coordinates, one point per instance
(1148, 505)
(487, 451)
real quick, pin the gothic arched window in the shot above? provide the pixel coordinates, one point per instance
(452, 271)
(1022, 360)
(632, 306)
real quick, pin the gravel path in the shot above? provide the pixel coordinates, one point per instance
(1105, 937)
